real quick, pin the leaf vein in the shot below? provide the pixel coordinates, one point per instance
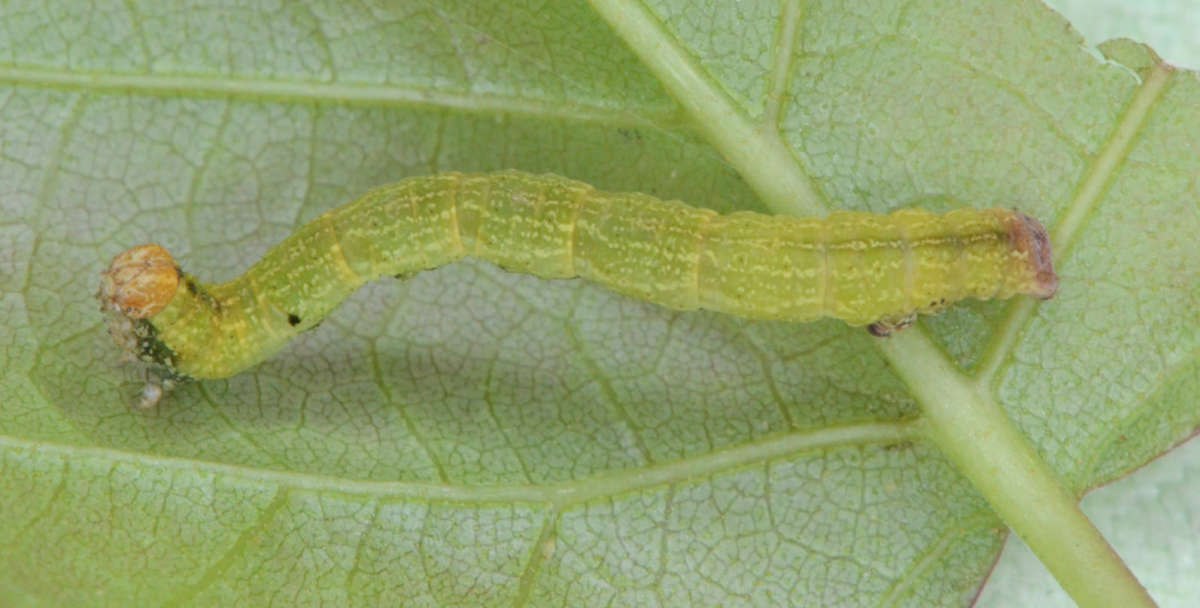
(542, 549)
(222, 564)
(365, 94)
(559, 494)
(783, 54)
(1088, 194)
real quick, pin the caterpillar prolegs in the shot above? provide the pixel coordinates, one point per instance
(865, 269)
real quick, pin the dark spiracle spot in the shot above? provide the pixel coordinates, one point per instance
(293, 320)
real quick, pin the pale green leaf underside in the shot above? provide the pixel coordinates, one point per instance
(473, 436)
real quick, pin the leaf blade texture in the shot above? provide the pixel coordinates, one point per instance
(473, 437)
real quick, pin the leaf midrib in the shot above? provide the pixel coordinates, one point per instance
(957, 409)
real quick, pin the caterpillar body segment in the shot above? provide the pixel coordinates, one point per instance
(865, 269)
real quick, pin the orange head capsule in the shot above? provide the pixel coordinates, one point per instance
(140, 282)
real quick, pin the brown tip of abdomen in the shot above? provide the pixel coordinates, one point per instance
(139, 282)
(1030, 237)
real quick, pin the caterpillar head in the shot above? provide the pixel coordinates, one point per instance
(140, 282)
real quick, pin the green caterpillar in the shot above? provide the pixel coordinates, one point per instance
(866, 269)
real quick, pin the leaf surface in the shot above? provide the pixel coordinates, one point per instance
(475, 437)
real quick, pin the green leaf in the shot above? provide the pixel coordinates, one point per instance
(474, 437)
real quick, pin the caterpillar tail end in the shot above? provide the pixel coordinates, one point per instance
(1030, 237)
(138, 284)
(1033, 273)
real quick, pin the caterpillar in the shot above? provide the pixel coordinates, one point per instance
(865, 269)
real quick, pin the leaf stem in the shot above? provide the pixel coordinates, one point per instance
(759, 155)
(974, 432)
(967, 424)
